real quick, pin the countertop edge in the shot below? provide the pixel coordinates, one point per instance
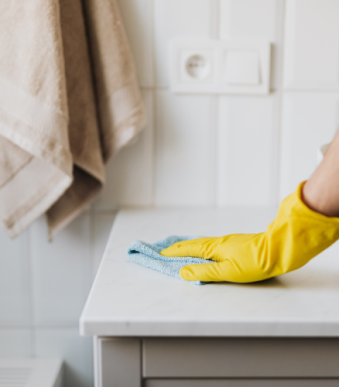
(200, 330)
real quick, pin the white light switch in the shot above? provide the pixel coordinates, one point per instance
(242, 67)
(236, 66)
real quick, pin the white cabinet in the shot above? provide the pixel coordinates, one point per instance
(151, 330)
(117, 362)
(228, 362)
(240, 358)
(243, 383)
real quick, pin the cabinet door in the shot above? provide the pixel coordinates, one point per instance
(241, 358)
(117, 362)
(244, 383)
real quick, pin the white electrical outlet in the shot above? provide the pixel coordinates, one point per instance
(220, 66)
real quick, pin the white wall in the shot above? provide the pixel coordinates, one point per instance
(196, 150)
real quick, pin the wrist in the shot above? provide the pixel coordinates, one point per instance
(320, 198)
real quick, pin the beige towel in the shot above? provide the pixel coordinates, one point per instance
(69, 100)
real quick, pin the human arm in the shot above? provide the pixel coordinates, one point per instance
(306, 224)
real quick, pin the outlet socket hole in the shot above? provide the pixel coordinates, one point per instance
(197, 66)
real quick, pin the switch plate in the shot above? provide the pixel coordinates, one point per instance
(220, 66)
(242, 67)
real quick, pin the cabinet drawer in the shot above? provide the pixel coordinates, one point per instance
(241, 358)
(244, 383)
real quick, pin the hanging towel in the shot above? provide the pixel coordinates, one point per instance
(69, 100)
(148, 255)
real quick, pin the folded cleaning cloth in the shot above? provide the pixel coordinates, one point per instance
(69, 100)
(149, 255)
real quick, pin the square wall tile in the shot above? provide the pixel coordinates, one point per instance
(15, 343)
(102, 223)
(259, 19)
(61, 272)
(248, 151)
(129, 175)
(14, 280)
(312, 44)
(74, 350)
(309, 120)
(138, 20)
(180, 19)
(185, 153)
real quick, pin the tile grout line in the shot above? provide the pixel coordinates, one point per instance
(28, 327)
(216, 151)
(154, 109)
(216, 118)
(154, 147)
(31, 293)
(218, 19)
(214, 34)
(276, 90)
(92, 214)
(280, 93)
(214, 19)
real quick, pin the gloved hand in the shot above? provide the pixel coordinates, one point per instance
(296, 236)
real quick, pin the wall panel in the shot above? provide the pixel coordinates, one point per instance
(308, 121)
(248, 151)
(312, 45)
(175, 19)
(185, 153)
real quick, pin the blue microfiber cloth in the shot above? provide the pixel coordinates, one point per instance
(149, 255)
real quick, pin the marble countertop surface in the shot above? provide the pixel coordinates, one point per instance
(130, 300)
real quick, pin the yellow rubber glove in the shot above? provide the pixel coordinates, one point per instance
(296, 236)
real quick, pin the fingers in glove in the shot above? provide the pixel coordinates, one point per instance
(198, 248)
(210, 272)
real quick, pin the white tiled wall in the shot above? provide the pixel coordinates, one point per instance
(312, 50)
(197, 150)
(14, 281)
(262, 19)
(247, 150)
(60, 272)
(308, 119)
(185, 150)
(177, 18)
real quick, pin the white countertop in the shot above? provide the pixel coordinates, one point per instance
(130, 300)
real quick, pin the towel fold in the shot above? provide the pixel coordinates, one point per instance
(148, 255)
(69, 100)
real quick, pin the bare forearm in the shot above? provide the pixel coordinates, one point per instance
(321, 191)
